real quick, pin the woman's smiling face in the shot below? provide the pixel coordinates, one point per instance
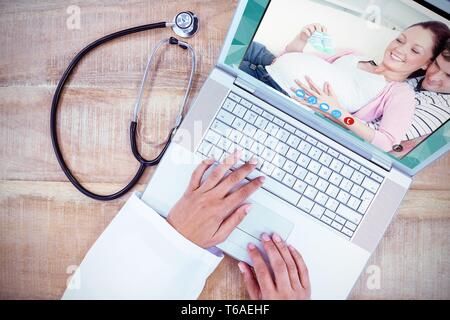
(412, 50)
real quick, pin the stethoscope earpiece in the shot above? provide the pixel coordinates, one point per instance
(185, 24)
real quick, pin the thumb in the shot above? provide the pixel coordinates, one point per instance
(230, 223)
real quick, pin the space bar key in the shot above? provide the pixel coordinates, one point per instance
(281, 190)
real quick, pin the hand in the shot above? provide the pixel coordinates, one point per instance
(209, 211)
(308, 30)
(290, 280)
(325, 96)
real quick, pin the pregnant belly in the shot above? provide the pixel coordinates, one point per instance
(296, 65)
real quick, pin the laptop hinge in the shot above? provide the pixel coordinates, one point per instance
(381, 162)
(244, 85)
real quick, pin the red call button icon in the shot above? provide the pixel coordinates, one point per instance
(349, 121)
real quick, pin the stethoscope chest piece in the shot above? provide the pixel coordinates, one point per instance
(185, 24)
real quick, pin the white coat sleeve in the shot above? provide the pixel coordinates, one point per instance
(141, 256)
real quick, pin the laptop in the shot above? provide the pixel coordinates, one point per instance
(327, 192)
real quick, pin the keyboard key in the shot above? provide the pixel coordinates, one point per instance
(289, 180)
(336, 225)
(278, 122)
(220, 128)
(279, 160)
(267, 115)
(304, 147)
(315, 153)
(235, 136)
(257, 109)
(321, 198)
(246, 155)
(282, 135)
(246, 103)
(346, 185)
(347, 232)
(268, 154)
(332, 191)
(344, 159)
(322, 146)
(271, 129)
(282, 148)
(370, 185)
(257, 148)
(246, 142)
(311, 178)
(267, 168)
(356, 191)
(212, 137)
(332, 204)
(289, 128)
(355, 165)
(325, 172)
(300, 134)
(234, 96)
(314, 166)
(305, 204)
(293, 141)
(376, 177)
(215, 152)
(350, 225)
(225, 116)
(292, 154)
(357, 177)
(340, 220)
(239, 110)
(260, 136)
(325, 159)
(271, 142)
(229, 105)
(322, 185)
(333, 153)
(311, 140)
(317, 211)
(204, 148)
(330, 214)
(336, 165)
(278, 174)
(261, 123)
(238, 124)
(303, 160)
(289, 166)
(281, 190)
(349, 214)
(250, 116)
(343, 196)
(335, 178)
(224, 144)
(326, 219)
(300, 186)
(354, 203)
(249, 130)
(366, 171)
(347, 171)
(310, 192)
(300, 172)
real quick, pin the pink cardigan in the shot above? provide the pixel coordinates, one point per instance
(395, 106)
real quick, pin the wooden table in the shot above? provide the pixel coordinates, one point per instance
(47, 226)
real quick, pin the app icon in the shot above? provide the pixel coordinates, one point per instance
(336, 114)
(312, 100)
(324, 107)
(349, 121)
(300, 93)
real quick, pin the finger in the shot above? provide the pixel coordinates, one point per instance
(196, 177)
(304, 87)
(236, 177)
(262, 271)
(243, 192)
(313, 86)
(326, 88)
(289, 260)
(277, 263)
(301, 267)
(330, 90)
(229, 224)
(250, 281)
(218, 173)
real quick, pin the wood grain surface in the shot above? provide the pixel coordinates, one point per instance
(46, 226)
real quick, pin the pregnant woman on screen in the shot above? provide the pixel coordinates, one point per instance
(349, 88)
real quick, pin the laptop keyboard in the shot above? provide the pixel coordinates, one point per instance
(299, 169)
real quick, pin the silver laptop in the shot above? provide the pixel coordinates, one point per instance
(327, 192)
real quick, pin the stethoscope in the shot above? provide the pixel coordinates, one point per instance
(185, 24)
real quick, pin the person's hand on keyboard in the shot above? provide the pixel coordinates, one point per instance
(290, 278)
(210, 210)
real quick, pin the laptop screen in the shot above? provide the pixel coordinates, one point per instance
(378, 69)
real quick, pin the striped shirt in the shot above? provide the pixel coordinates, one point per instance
(432, 111)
